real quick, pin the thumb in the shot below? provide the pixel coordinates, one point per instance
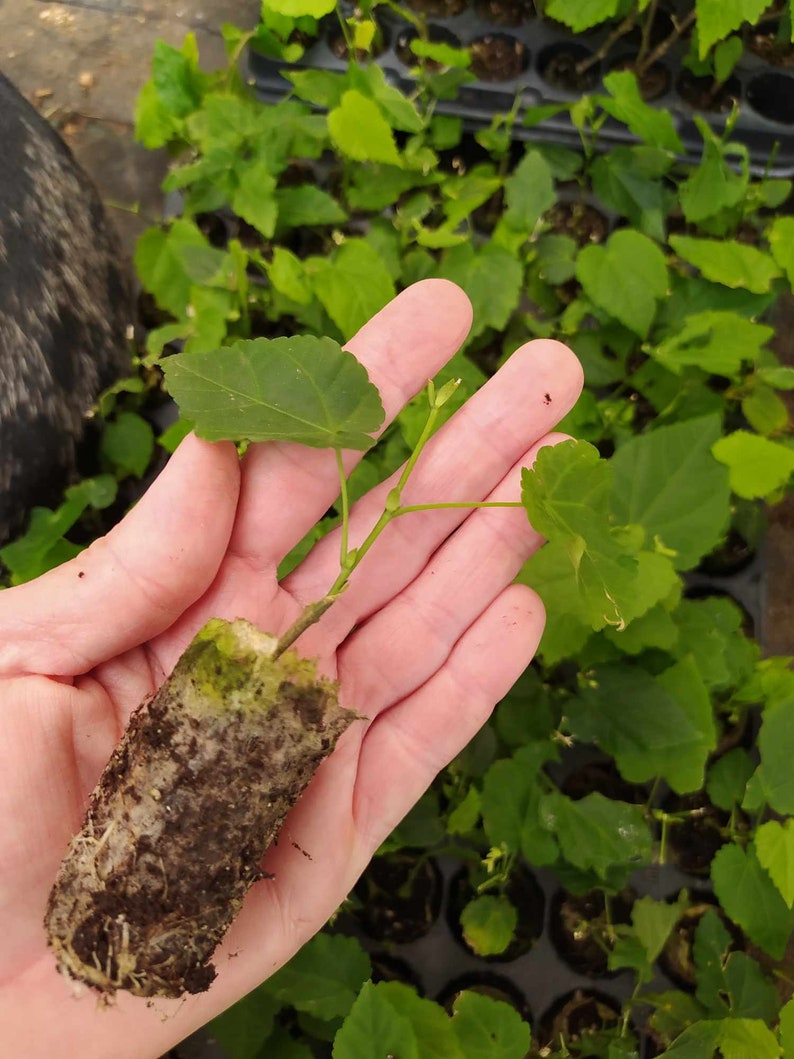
(134, 582)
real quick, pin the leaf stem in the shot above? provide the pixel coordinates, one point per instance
(345, 498)
(463, 503)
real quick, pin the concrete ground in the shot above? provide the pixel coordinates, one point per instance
(83, 62)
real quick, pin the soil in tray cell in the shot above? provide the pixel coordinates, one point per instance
(524, 893)
(654, 82)
(580, 929)
(400, 898)
(436, 35)
(505, 12)
(676, 958)
(439, 8)
(498, 57)
(561, 67)
(487, 984)
(578, 1016)
(763, 41)
(703, 93)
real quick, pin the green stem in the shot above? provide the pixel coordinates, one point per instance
(345, 498)
(350, 558)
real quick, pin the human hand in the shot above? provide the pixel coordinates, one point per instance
(428, 636)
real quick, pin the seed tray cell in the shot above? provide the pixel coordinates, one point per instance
(536, 61)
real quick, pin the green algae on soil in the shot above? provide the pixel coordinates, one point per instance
(190, 801)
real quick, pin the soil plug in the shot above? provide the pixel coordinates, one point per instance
(186, 808)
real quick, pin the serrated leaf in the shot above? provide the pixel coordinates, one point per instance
(353, 285)
(176, 76)
(529, 192)
(713, 185)
(727, 261)
(728, 778)
(717, 19)
(583, 14)
(758, 466)
(566, 495)
(323, 87)
(750, 898)
(710, 944)
(288, 276)
(360, 132)
(128, 442)
(490, 276)
(776, 745)
(652, 726)
(719, 342)
(653, 125)
(489, 923)
(652, 921)
(668, 482)
(511, 805)
(696, 1042)
(626, 278)
(741, 1038)
(162, 260)
(598, 833)
(307, 206)
(764, 410)
(301, 389)
(323, 978)
(298, 8)
(374, 1028)
(466, 814)
(781, 243)
(723, 656)
(432, 1026)
(254, 198)
(243, 1029)
(628, 180)
(774, 843)
(488, 1029)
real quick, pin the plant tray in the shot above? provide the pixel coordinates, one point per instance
(546, 54)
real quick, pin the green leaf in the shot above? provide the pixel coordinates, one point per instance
(728, 778)
(668, 482)
(781, 243)
(491, 276)
(724, 655)
(710, 944)
(177, 77)
(717, 19)
(511, 805)
(360, 132)
(244, 1028)
(43, 545)
(776, 745)
(583, 14)
(163, 262)
(626, 277)
(435, 1036)
(353, 285)
(728, 262)
(628, 180)
(488, 1029)
(741, 1038)
(713, 185)
(787, 1028)
(297, 8)
(323, 978)
(758, 467)
(489, 923)
(374, 1029)
(466, 814)
(652, 922)
(555, 257)
(566, 495)
(307, 206)
(764, 410)
(652, 726)
(529, 192)
(253, 200)
(696, 1042)
(596, 832)
(128, 443)
(750, 898)
(774, 843)
(653, 125)
(301, 389)
(288, 276)
(323, 87)
(726, 55)
(719, 342)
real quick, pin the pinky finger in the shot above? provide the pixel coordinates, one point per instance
(408, 744)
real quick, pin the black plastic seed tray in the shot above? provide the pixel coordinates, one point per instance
(536, 61)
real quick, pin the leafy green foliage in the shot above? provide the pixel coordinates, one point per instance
(489, 1029)
(626, 278)
(728, 262)
(489, 923)
(597, 833)
(323, 978)
(774, 844)
(306, 390)
(751, 899)
(758, 466)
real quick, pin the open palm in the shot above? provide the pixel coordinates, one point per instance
(429, 635)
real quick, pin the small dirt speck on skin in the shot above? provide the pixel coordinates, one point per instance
(547, 398)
